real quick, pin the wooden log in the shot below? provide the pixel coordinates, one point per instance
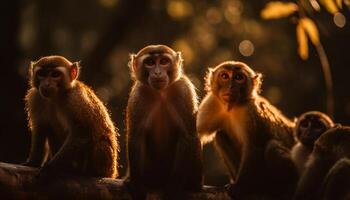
(18, 182)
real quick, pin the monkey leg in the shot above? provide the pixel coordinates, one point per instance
(265, 173)
(136, 156)
(282, 174)
(249, 175)
(67, 161)
(229, 152)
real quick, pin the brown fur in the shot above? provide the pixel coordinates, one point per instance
(82, 139)
(253, 137)
(328, 162)
(164, 151)
(306, 136)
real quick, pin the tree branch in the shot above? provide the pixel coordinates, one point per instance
(18, 182)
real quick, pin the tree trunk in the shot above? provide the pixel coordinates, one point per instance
(18, 182)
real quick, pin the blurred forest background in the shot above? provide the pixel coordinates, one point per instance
(102, 33)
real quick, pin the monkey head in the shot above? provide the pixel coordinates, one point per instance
(310, 126)
(233, 82)
(156, 66)
(334, 142)
(52, 75)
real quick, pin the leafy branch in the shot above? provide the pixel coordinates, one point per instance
(306, 29)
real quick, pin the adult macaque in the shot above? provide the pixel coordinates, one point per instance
(252, 136)
(70, 126)
(164, 151)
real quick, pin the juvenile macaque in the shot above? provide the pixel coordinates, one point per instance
(164, 151)
(251, 135)
(309, 127)
(327, 173)
(72, 133)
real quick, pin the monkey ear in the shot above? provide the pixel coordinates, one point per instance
(257, 81)
(179, 59)
(208, 78)
(31, 67)
(131, 62)
(74, 70)
(31, 73)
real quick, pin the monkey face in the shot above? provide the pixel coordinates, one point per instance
(49, 81)
(52, 75)
(234, 82)
(159, 68)
(156, 66)
(311, 126)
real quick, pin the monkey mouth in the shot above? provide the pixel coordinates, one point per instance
(46, 92)
(229, 96)
(158, 83)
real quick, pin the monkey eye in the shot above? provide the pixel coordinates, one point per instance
(239, 78)
(304, 124)
(55, 74)
(164, 61)
(317, 125)
(41, 73)
(149, 62)
(225, 76)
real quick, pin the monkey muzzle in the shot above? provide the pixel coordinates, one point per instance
(158, 83)
(47, 91)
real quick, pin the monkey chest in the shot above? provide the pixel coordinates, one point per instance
(60, 129)
(161, 128)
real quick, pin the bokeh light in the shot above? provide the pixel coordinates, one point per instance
(274, 94)
(233, 12)
(183, 46)
(339, 20)
(108, 3)
(246, 48)
(214, 15)
(179, 9)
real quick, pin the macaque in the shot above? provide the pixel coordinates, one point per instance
(309, 127)
(163, 148)
(327, 173)
(252, 136)
(72, 132)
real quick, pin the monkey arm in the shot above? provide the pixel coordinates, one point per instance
(187, 168)
(73, 148)
(136, 155)
(39, 148)
(208, 118)
(136, 147)
(309, 186)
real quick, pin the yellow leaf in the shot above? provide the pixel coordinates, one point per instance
(330, 6)
(311, 29)
(347, 2)
(278, 9)
(303, 48)
(340, 3)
